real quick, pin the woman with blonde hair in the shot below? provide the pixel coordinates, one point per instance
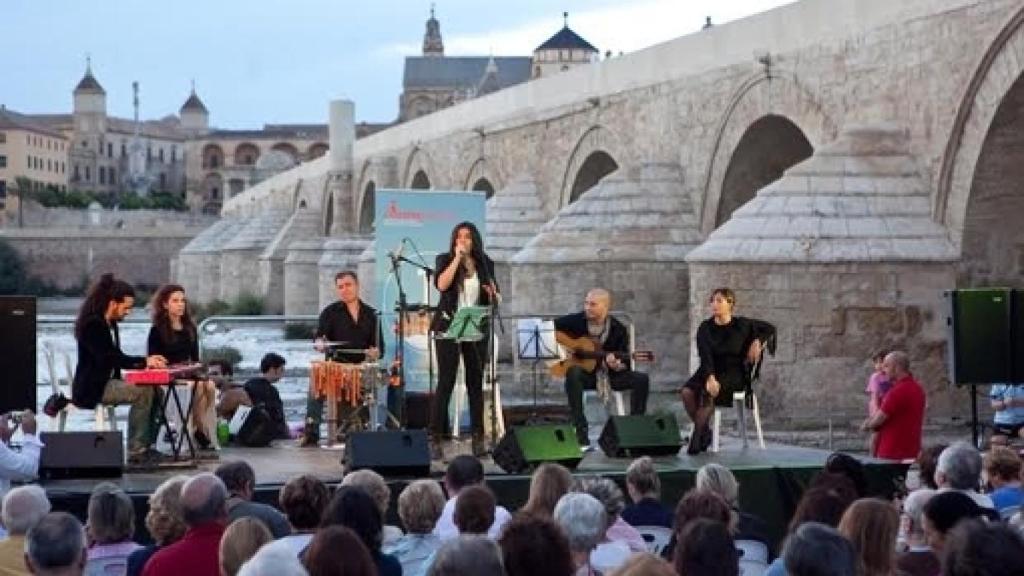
(550, 482)
(240, 542)
(109, 529)
(713, 477)
(871, 525)
(164, 521)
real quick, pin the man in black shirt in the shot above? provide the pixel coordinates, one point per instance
(263, 393)
(346, 325)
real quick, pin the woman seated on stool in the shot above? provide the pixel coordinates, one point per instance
(174, 337)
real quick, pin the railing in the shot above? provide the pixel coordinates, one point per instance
(209, 324)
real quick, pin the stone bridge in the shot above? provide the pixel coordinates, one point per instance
(839, 164)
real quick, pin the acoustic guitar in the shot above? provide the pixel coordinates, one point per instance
(586, 354)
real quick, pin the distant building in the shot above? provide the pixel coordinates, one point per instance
(565, 50)
(29, 150)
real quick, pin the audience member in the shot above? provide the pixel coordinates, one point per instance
(240, 480)
(871, 525)
(705, 548)
(240, 542)
(353, 508)
(645, 564)
(608, 493)
(377, 488)
(55, 546)
(474, 511)
(816, 549)
(644, 488)
(23, 507)
(535, 546)
(1008, 413)
(18, 465)
(303, 500)
(164, 521)
(959, 469)
(926, 462)
(467, 556)
(463, 471)
(846, 465)
(943, 511)
(273, 562)
(419, 507)
(262, 392)
(978, 548)
(713, 477)
(109, 527)
(898, 421)
(1002, 467)
(822, 505)
(338, 551)
(698, 504)
(550, 482)
(584, 521)
(918, 558)
(204, 508)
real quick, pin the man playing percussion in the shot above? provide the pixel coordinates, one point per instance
(348, 331)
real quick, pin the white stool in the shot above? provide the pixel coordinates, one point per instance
(105, 415)
(738, 403)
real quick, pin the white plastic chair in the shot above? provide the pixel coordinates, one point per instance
(105, 415)
(753, 557)
(738, 403)
(656, 537)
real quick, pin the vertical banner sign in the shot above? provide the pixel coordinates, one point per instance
(416, 224)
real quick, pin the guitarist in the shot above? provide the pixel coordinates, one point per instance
(611, 336)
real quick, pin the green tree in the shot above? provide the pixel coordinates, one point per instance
(12, 269)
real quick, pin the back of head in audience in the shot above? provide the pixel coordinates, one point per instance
(645, 564)
(164, 520)
(56, 545)
(534, 546)
(273, 561)
(839, 484)
(871, 526)
(959, 467)
(978, 548)
(846, 465)
(352, 507)
(303, 500)
(927, 460)
(111, 515)
(467, 556)
(204, 499)
(606, 492)
(238, 477)
(464, 470)
(23, 507)
(913, 509)
(240, 542)
(474, 510)
(583, 519)
(373, 484)
(550, 482)
(338, 551)
(1002, 466)
(944, 510)
(420, 506)
(705, 548)
(702, 504)
(642, 479)
(815, 549)
(713, 477)
(819, 505)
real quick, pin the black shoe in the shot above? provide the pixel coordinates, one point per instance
(583, 436)
(706, 437)
(202, 440)
(693, 445)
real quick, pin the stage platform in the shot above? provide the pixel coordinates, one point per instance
(771, 480)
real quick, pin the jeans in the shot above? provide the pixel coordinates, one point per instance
(143, 416)
(577, 379)
(473, 355)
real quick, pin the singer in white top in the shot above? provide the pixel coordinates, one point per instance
(465, 277)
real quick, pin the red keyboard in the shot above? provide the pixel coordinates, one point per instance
(161, 376)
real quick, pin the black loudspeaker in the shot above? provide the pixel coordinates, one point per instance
(981, 335)
(524, 447)
(632, 436)
(18, 353)
(1017, 335)
(389, 452)
(81, 455)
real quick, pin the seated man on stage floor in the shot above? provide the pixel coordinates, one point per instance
(611, 336)
(100, 360)
(348, 331)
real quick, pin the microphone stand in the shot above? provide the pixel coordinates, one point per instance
(429, 272)
(400, 348)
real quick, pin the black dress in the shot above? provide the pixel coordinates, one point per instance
(723, 352)
(182, 348)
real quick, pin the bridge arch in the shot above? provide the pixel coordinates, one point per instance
(482, 177)
(419, 170)
(763, 108)
(367, 208)
(593, 158)
(980, 135)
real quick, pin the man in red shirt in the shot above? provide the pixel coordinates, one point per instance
(899, 419)
(204, 506)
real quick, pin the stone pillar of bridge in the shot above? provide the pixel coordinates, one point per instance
(304, 224)
(842, 255)
(340, 182)
(302, 276)
(239, 256)
(340, 254)
(198, 263)
(628, 234)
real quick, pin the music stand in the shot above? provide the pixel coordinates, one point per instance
(467, 324)
(536, 341)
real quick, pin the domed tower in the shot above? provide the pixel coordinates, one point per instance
(432, 43)
(195, 118)
(90, 106)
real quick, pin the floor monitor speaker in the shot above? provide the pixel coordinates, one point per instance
(524, 447)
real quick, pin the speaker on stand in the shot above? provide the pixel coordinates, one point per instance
(18, 353)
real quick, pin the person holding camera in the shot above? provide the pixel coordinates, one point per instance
(15, 465)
